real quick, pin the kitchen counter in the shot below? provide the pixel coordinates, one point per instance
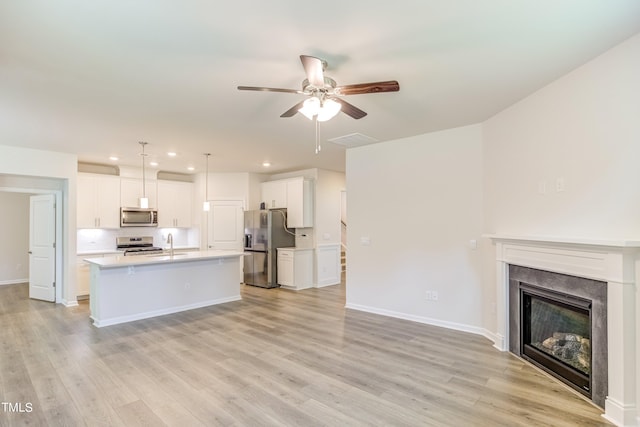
(163, 258)
(101, 252)
(129, 288)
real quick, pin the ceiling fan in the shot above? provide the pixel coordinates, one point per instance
(324, 100)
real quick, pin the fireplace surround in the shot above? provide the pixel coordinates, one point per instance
(610, 261)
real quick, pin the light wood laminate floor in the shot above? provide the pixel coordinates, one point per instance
(277, 357)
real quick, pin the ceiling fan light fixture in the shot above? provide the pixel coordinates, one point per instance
(310, 108)
(328, 110)
(322, 110)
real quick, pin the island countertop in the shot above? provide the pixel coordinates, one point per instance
(118, 261)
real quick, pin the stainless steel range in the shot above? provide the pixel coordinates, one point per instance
(137, 245)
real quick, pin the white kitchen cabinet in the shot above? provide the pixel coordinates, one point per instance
(274, 194)
(82, 277)
(98, 203)
(131, 192)
(175, 200)
(299, 203)
(295, 268)
(294, 194)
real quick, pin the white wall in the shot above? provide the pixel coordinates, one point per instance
(419, 201)
(14, 244)
(582, 132)
(329, 186)
(583, 129)
(46, 169)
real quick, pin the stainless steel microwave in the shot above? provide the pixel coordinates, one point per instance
(138, 217)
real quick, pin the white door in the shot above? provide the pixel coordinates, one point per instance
(226, 225)
(42, 247)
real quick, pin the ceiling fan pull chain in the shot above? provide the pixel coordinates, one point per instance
(318, 148)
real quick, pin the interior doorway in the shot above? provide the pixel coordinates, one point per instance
(56, 195)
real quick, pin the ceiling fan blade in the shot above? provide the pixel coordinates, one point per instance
(293, 110)
(314, 68)
(375, 87)
(350, 109)
(268, 89)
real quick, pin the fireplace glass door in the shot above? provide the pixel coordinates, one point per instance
(556, 335)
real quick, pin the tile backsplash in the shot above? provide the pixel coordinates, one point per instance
(105, 239)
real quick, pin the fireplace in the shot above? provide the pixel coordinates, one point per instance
(603, 271)
(556, 335)
(558, 322)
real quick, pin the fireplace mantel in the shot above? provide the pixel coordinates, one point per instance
(573, 241)
(612, 261)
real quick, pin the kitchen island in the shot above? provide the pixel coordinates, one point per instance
(128, 288)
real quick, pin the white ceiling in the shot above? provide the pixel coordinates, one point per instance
(95, 77)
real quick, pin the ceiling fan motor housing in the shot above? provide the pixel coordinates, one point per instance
(329, 85)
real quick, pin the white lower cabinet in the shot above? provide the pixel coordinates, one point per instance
(82, 277)
(295, 268)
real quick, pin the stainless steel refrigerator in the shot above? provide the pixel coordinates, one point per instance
(264, 232)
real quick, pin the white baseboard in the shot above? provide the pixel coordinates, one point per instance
(619, 414)
(425, 320)
(322, 285)
(13, 281)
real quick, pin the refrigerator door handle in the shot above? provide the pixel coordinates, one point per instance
(248, 241)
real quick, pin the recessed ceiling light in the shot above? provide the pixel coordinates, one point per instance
(266, 164)
(113, 158)
(153, 163)
(191, 168)
(171, 154)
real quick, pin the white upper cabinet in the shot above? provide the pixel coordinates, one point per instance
(98, 201)
(131, 191)
(299, 203)
(274, 194)
(294, 194)
(175, 201)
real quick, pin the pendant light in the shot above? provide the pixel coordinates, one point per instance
(144, 201)
(206, 206)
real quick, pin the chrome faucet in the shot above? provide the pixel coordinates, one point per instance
(170, 241)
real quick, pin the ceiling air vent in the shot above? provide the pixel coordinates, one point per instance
(353, 140)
